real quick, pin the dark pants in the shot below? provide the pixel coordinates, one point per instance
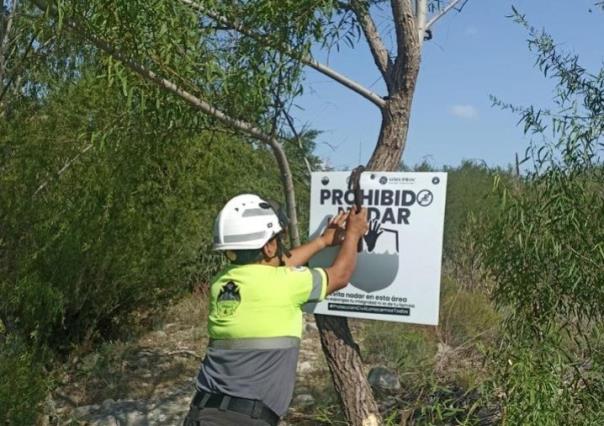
(216, 417)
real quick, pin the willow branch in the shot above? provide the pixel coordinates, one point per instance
(64, 168)
(303, 58)
(376, 45)
(443, 12)
(205, 107)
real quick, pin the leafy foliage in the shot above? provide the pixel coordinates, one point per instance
(546, 253)
(113, 188)
(24, 383)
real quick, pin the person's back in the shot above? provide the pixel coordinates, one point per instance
(255, 326)
(255, 318)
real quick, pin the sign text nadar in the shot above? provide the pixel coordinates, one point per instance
(394, 201)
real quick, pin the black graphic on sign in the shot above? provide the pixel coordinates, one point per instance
(425, 198)
(324, 180)
(376, 269)
(383, 180)
(435, 180)
(375, 230)
(373, 234)
(228, 299)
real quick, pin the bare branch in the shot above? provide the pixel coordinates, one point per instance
(443, 12)
(379, 52)
(305, 59)
(421, 12)
(298, 138)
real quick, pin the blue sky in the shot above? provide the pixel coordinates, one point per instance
(473, 54)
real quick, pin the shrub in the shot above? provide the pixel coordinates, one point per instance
(546, 255)
(24, 384)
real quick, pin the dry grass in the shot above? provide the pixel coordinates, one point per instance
(142, 367)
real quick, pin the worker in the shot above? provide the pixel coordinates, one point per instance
(255, 311)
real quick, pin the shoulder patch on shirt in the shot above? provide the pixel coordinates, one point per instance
(297, 268)
(228, 299)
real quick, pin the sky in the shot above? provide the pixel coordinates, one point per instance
(473, 54)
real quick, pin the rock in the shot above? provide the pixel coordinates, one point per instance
(142, 362)
(136, 418)
(85, 410)
(307, 355)
(160, 334)
(303, 401)
(105, 421)
(107, 404)
(310, 327)
(89, 362)
(384, 379)
(304, 367)
(145, 374)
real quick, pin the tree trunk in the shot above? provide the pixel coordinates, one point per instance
(347, 371)
(342, 353)
(393, 134)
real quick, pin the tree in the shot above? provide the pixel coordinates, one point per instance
(223, 58)
(546, 252)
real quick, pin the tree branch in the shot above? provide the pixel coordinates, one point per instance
(305, 59)
(297, 138)
(421, 12)
(379, 52)
(206, 108)
(404, 24)
(443, 12)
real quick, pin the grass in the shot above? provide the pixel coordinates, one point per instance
(440, 368)
(143, 366)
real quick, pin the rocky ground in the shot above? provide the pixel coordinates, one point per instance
(150, 381)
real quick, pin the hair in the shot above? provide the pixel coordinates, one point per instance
(244, 257)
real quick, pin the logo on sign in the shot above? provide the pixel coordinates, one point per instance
(425, 198)
(324, 180)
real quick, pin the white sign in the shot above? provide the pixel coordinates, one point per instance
(397, 277)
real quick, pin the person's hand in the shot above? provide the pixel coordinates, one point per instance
(334, 233)
(372, 236)
(357, 222)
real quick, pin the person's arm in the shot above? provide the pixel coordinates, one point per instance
(302, 254)
(340, 272)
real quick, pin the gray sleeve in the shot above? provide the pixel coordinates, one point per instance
(317, 286)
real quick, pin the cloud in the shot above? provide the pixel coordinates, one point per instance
(463, 111)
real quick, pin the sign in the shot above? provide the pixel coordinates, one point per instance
(397, 277)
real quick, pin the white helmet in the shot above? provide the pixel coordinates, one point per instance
(245, 222)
